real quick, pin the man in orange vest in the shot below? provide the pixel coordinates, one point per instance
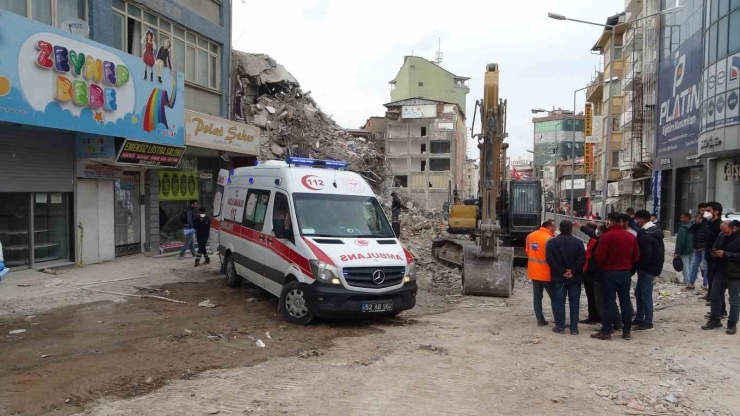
(537, 268)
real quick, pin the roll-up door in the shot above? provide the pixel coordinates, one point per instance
(36, 160)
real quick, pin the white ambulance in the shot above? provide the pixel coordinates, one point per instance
(314, 235)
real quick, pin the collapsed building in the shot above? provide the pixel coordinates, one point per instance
(266, 95)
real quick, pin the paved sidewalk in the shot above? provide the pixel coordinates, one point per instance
(27, 292)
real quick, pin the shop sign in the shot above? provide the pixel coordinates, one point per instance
(177, 185)
(665, 161)
(710, 143)
(589, 120)
(149, 154)
(95, 171)
(89, 146)
(203, 130)
(657, 178)
(732, 171)
(588, 158)
(54, 79)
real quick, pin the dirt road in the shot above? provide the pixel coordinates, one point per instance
(452, 355)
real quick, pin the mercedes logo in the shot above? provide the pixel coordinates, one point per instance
(378, 277)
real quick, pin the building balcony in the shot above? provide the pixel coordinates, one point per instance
(632, 8)
(634, 74)
(633, 38)
(596, 89)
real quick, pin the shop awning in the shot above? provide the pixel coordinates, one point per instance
(610, 201)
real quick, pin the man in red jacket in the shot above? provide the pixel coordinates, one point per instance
(616, 255)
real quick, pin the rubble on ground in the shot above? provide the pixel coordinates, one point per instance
(292, 123)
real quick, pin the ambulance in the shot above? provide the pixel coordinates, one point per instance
(313, 234)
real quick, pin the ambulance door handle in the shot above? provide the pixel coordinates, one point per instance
(262, 237)
(269, 240)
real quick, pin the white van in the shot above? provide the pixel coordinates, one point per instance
(315, 236)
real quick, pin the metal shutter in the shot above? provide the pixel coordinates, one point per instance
(34, 160)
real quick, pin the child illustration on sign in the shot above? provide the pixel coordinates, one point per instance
(163, 59)
(148, 46)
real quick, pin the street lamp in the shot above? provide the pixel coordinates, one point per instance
(609, 127)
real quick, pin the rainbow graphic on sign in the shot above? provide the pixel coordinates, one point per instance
(154, 112)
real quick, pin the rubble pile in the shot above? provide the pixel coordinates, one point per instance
(292, 123)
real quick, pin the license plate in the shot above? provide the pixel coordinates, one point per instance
(377, 307)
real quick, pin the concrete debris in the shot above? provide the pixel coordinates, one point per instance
(47, 355)
(276, 150)
(260, 344)
(17, 331)
(268, 335)
(671, 398)
(207, 304)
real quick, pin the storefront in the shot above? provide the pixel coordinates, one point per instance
(67, 106)
(213, 144)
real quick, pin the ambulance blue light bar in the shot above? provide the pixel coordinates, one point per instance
(303, 161)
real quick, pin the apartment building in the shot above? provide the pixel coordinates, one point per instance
(553, 138)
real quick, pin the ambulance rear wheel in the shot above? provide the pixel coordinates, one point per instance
(232, 278)
(293, 305)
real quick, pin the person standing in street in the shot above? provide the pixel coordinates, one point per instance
(590, 270)
(723, 244)
(626, 221)
(188, 220)
(396, 207)
(650, 265)
(566, 257)
(685, 248)
(616, 255)
(727, 277)
(700, 229)
(537, 268)
(632, 222)
(715, 208)
(202, 225)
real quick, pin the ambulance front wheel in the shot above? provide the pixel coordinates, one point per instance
(232, 278)
(294, 305)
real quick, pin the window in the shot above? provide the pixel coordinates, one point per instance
(43, 10)
(722, 38)
(255, 209)
(440, 147)
(413, 67)
(715, 10)
(195, 56)
(713, 44)
(402, 181)
(423, 148)
(421, 84)
(281, 211)
(734, 46)
(615, 160)
(423, 132)
(439, 165)
(423, 165)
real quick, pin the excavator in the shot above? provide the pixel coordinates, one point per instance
(486, 264)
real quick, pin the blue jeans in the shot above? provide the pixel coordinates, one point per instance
(573, 293)
(188, 245)
(538, 289)
(617, 283)
(686, 260)
(644, 297)
(698, 262)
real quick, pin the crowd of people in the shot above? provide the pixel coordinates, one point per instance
(631, 243)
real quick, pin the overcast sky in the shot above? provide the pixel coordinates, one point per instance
(346, 51)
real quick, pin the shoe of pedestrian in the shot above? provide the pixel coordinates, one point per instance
(181, 257)
(708, 303)
(208, 261)
(636, 322)
(602, 336)
(644, 328)
(712, 324)
(574, 331)
(731, 328)
(197, 262)
(627, 336)
(588, 321)
(542, 323)
(558, 330)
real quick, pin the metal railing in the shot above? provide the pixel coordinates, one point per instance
(576, 233)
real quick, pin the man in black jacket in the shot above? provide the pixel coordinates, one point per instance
(726, 254)
(700, 228)
(652, 256)
(566, 257)
(714, 230)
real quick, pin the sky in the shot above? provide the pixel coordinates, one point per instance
(346, 51)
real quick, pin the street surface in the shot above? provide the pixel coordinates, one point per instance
(96, 354)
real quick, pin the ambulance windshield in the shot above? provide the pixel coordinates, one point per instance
(341, 216)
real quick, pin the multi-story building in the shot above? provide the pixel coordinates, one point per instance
(377, 127)
(472, 176)
(719, 140)
(425, 148)
(608, 133)
(419, 77)
(95, 165)
(553, 138)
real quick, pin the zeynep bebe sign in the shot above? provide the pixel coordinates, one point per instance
(49, 78)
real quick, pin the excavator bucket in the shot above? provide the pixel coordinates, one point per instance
(487, 276)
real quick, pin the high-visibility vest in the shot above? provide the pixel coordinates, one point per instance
(537, 268)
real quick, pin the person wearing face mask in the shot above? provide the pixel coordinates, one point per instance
(714, 230)
(616, 255)
(700, 229)
(537, 268)
(202, 225)
(684, 249)
(652, 256)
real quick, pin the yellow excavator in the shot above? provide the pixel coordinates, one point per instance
(486, 264)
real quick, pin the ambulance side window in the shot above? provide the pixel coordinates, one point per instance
(255, 209)
(281, 211)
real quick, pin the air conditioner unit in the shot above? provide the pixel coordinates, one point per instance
(625, 188)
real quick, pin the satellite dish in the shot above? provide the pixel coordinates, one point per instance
(77, 27)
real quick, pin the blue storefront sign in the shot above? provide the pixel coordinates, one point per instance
(679, 98)
(49, 78)
(90, 146)
(657, 189)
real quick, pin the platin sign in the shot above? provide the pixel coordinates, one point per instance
(210, 132)
(589, 120)
(588, 158)
(149, 154)
(54, 79)
(178, 185)
(679, 99)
